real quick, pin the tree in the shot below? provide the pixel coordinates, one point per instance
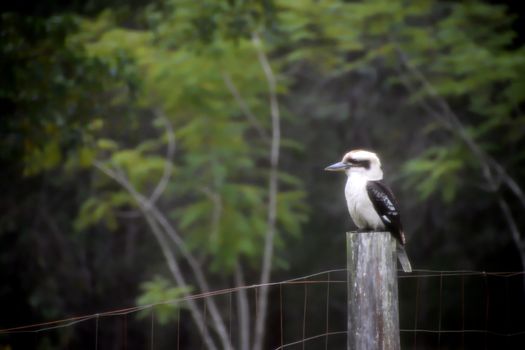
(220, 138)
(206, 126)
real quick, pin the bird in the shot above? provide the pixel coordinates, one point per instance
(371, 203)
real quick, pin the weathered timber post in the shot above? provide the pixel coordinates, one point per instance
(373, 319)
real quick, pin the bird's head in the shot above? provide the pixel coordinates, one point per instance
(359, 161)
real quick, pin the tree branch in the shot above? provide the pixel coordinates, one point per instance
(218, 322)
(151, 209)
(243, 309)
(168, 164)
(177, 274)
(216, 214)
(490, 166)
(168, 254)
(262, 303)
(148, 205)
(513, 227)
(244, 107)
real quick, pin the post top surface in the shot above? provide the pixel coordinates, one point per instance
(366, 232)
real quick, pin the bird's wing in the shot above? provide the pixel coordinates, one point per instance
(386, 206)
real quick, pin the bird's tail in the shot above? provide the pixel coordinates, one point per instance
(403, 258)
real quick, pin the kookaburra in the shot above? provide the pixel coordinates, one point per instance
(371, 203)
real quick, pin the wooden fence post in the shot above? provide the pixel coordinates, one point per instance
(373, 319)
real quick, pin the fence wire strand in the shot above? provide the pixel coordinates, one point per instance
(305, 281)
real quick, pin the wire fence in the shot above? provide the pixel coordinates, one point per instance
(438, 309)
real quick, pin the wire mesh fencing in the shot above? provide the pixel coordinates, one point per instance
(438, 310)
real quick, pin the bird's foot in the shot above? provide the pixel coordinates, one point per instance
(363, 230)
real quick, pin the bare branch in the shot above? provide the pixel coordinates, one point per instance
(513, 227)
(168, 164)
(151, 209)
(217, 210)
(168, 254)
(118, 177)
(509, 181)
(177, 274)
(218, 322)
(148, 205)
(260, 320)
(128, 214)
(243, 309)
(507, 214)
(493, 172)
(488, 164)
(244, 107)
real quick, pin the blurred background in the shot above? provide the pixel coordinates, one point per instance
(151, 149)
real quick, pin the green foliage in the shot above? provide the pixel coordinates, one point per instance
(102, 209)
(437, 170)
(161, 293)
(50, 89)
(181, 62)
(472, 68)
(83, 89)
(199, 24)
(452, 45)
(220, 176)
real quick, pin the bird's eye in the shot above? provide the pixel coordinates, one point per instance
(363, 163)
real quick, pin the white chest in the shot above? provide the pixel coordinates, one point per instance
(359, 205)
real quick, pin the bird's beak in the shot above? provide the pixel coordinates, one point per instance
(340, 166)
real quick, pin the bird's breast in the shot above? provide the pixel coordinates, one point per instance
(359, 205)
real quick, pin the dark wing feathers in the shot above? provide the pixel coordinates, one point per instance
(386, 206)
